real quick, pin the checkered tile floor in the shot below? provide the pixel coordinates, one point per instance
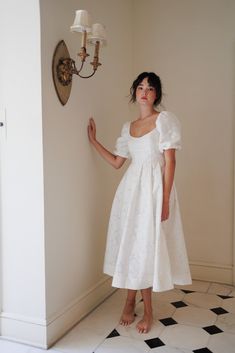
(199, 318)
(195, 322)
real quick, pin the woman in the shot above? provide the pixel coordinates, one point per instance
(145, 244)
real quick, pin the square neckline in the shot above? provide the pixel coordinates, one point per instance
(147, 133)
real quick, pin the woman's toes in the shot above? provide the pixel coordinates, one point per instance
(144, 325)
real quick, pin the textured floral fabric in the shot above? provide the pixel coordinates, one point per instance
(142, 251)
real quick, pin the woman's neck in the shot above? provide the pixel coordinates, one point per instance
(146, 112)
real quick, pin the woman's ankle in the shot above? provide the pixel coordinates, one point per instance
(148, 312)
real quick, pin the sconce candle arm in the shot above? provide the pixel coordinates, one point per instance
(64, 67)
(95, 63)
(86, 76)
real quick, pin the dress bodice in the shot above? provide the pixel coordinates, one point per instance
(165, 135)
(144, 147)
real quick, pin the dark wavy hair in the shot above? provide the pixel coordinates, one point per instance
(153, 80)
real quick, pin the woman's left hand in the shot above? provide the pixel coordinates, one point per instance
(165, 210)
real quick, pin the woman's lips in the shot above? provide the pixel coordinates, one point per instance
(144, 98)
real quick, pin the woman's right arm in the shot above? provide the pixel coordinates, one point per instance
(115, 161)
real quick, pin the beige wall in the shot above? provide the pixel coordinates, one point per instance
(79, 185)
(190, 44)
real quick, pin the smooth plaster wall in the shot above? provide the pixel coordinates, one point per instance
(79, 185)
(190, 44)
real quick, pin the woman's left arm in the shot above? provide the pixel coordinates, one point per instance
(168, 178)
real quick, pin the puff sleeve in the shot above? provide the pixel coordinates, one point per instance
(121, 147)
(170, 131)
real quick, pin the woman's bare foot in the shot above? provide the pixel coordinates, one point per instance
(128, 314)
(144, 325)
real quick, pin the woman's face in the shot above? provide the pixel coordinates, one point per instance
(145, 94)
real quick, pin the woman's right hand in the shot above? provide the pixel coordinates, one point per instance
(91, 130)
(115, 161)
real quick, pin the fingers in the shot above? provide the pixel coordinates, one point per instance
(165, 214)
(91, 129)
(91, 120)
(164, 217)
(92, 124)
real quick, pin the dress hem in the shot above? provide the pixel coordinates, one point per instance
(122, 285)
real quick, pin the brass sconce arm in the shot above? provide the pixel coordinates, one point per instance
(64, 67)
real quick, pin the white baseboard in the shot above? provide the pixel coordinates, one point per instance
(62, 322)
(43, 333)
(212, 272)
(23, 329)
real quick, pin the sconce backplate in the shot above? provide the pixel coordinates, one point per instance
(63, 90)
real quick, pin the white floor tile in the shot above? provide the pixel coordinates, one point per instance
(162, 310)
(199, 286)
(89, 333)
(222, 289)
(229, 305)
(122, 344)
(203, 300)
(226, 322)
(12, 347)
(194, 316)
(222, 342)
(182, 336)
(39, 350)
(168, 349)
(172, 295)
(81, 341)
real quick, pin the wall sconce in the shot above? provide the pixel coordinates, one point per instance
(63, 66)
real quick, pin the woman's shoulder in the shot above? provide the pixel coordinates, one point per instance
(170, 131)
(125, 127)
(167, 118)
(167, 115)
(126, 123)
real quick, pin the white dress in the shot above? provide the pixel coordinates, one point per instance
(142, 251)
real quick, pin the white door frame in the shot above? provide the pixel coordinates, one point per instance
(3, 139)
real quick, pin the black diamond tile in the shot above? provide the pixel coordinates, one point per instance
(219, 311)
(187, 291)
(179, 304)
(224, 296)
(154, 342)
(114, 333)
(202, 350)
(212, 329)
(168, 321)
